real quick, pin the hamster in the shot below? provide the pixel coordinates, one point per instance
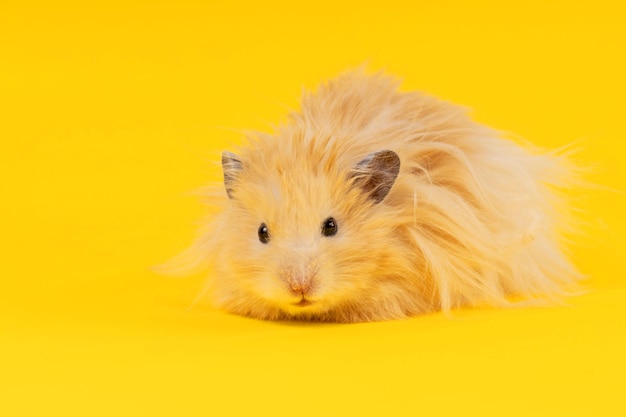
(374, 204)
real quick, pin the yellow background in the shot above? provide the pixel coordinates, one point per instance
(110, 113)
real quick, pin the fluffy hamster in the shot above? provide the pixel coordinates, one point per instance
(374, 204)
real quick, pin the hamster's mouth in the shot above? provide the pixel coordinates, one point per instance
(303, 302)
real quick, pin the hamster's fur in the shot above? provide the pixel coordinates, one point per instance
(428, 211)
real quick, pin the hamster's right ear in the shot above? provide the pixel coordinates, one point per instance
(231, 165)
(376, 174)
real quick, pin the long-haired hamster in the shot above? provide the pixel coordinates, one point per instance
(374, 204)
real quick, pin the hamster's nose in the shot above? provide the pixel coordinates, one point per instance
(300, 286)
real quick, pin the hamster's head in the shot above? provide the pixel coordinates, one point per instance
(309, 240)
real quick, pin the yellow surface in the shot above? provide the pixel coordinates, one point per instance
(110, 113)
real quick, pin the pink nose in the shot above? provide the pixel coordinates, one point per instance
(300, 285)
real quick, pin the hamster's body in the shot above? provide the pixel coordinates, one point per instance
(318, 223)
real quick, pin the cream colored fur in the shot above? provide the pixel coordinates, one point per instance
(471, 220)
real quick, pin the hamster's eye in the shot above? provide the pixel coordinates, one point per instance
(329, 227)
(264, 233)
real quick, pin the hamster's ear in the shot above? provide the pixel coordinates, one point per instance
(376, 174)
(231, 165)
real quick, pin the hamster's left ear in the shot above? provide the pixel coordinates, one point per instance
(231, 165)
(376, 174)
